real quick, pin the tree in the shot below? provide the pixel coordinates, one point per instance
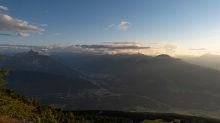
(3, 72)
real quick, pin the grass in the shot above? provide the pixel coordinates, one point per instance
(15, 108)
(8, 119)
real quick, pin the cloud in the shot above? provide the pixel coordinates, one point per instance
(124, 43)
(23, 34)
(4, 8)
(43, 24)
(198, 49)
(18, 35)
(46, 11)
(151, 43)
(170, 48)
(124, 25)
(91, 49)
(18, 48)
(109, 26)
(56, 34)
(113, 47)
(8, 23)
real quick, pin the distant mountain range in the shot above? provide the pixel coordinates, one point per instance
(206, 60)
(130, 82)
(73, 60)
(109, 64)
(163, 78)
(33, 61)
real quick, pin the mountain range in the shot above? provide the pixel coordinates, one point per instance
(162, 78)
(206, 60)
(34, 61)
(129, 82)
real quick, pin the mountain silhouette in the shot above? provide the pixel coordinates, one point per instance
(34, 61)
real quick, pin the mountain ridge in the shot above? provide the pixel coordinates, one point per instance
(34, 61)
(128, 82)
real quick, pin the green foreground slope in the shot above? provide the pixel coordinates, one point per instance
(17, 107)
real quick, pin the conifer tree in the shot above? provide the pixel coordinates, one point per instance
(3, 72)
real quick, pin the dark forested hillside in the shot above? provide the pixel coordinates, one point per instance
(34, 83)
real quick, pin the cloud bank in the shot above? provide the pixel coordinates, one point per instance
(112, 47)
(100, 49)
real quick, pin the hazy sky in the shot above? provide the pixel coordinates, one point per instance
(154, 26)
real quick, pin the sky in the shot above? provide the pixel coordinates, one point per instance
(175, 27)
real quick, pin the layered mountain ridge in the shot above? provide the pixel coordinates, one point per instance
(130, 82)
(33, 61)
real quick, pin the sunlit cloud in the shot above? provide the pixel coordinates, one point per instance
(8, 23)
(110, 26)
(4, 8)
(23, 34)
(170, 48)
(124, 25)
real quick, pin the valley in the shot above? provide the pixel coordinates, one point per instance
(126, 82)
(109, 61)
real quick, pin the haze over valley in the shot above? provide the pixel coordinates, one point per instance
(127, 82)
